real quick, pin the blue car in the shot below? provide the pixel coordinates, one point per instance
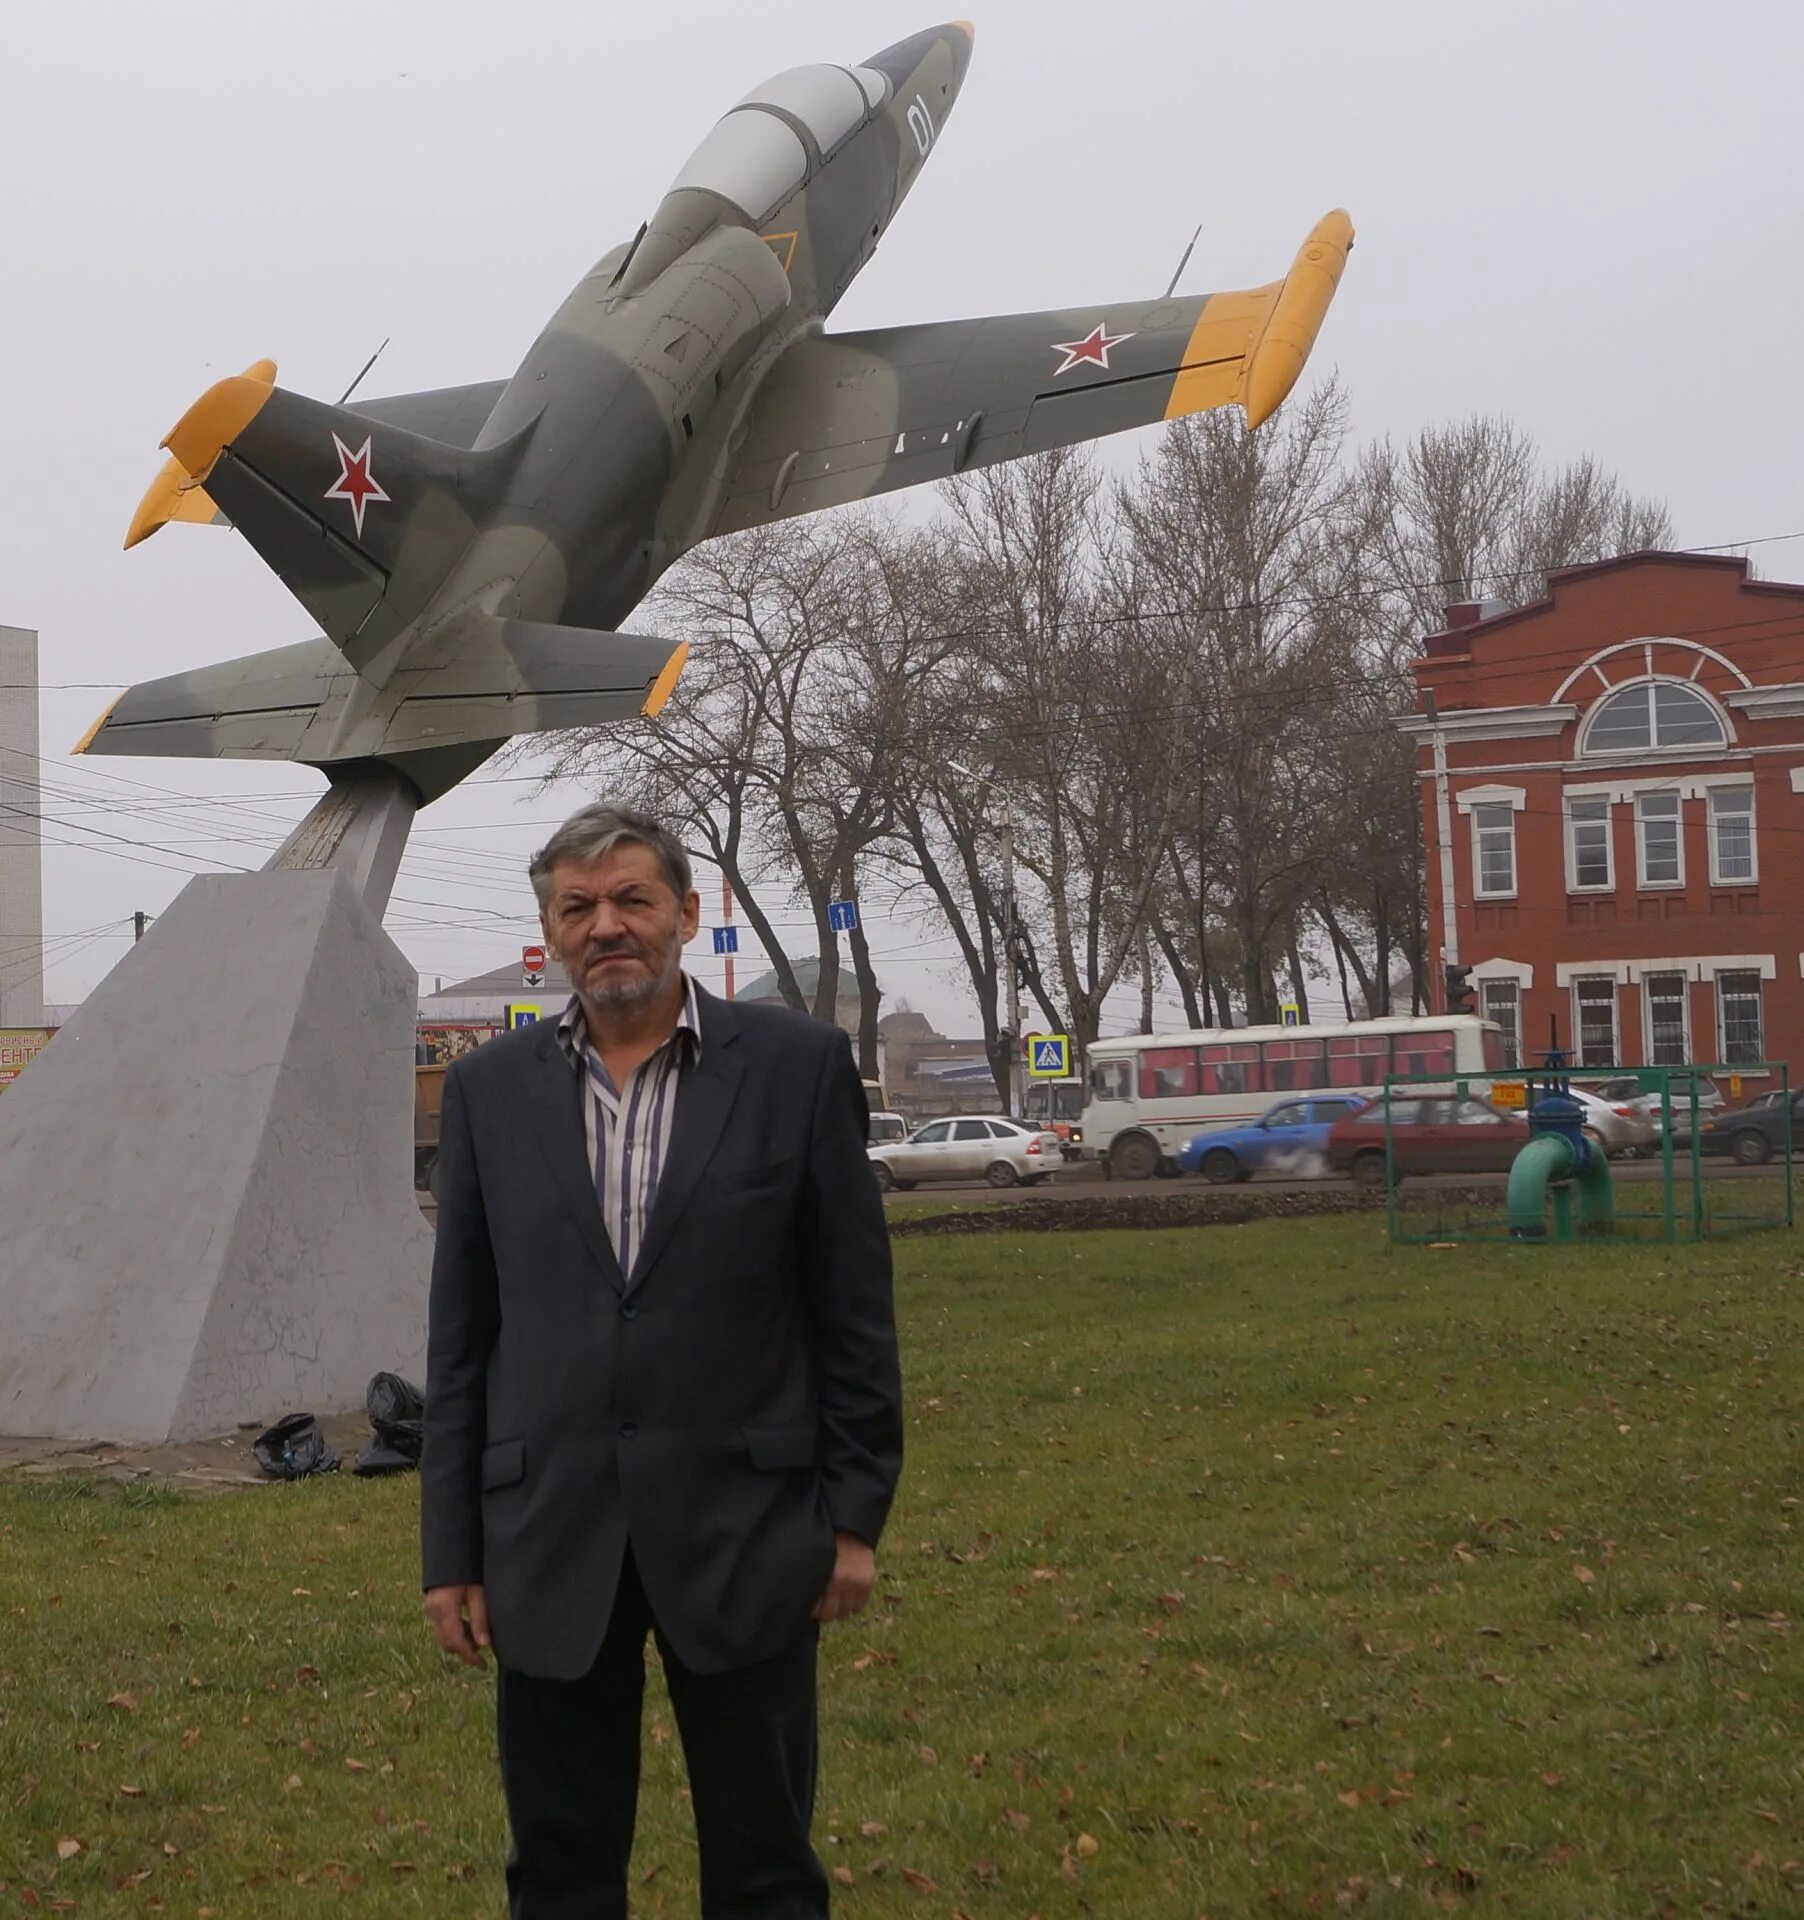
(1288, 1139)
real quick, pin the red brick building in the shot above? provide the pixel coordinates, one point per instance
(1613, 801)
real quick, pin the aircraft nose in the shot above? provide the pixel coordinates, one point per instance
(903, 61)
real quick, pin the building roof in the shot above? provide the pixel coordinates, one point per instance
(807, 973)
(1456, 639)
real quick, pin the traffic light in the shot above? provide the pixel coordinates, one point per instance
(1459, 990)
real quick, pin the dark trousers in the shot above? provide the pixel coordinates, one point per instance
(570, 1770)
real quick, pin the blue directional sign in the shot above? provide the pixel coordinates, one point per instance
(1048, 1056)
(726, 939)
(842, 915)
(518, 1015)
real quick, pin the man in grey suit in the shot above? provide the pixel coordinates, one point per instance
(662, 1389)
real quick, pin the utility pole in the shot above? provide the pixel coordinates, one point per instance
(1011, 937)
(140, 920)
(726, 908)
(1012, 946)
(1443, 820)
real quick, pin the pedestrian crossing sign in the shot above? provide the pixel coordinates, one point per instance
(1048, 1056)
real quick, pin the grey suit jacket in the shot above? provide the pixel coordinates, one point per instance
(727, 1412)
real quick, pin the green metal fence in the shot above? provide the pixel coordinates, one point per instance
(1682, 1166)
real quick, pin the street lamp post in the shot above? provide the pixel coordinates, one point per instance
(1011, 935)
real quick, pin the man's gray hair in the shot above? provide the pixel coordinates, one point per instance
(595, 831)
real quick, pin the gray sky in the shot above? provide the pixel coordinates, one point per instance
(1582, 215)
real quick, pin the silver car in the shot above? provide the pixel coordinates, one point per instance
(1006, 1153)
(1619, 1126)
(1628, 1090)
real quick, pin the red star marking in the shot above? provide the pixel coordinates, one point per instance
(355, 482)
(1091, 350)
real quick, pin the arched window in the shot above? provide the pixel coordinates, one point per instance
(1653, 714)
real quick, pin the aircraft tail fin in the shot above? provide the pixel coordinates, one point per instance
(486, 682)
(361, 520)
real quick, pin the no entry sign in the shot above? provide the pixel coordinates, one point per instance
(532, 965)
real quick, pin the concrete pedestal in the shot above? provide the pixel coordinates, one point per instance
(206, 1180)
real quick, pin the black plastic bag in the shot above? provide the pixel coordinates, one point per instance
(397, 1411)
(294, 1448)
(378, 1457)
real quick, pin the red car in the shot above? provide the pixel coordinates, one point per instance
(1441, 1134)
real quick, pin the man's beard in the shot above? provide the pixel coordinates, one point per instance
(613, 996)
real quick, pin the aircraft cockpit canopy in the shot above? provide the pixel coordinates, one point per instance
(755, 159)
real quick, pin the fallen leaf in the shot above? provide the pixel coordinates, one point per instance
(871, 1829)
(843, 1876)
(123, 1703)
(1088, 1846)
(1553, 1779)
(921, 1882)
(132, 1793)
(1583, 1575)
(67, 1849)
(356, 1766)
(293, 1781)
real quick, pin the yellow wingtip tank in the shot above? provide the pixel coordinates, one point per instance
(87, 739)
(177, 493)
(1304, 297)
(665, 684)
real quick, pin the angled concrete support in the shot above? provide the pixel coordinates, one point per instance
(207, 1177)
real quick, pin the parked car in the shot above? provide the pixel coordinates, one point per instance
(1438, 1135)
(1006, 1153)
(1629, 1091)
(1289, 1139)
(1618, 1126)
(886, 1129)
(1754, 1133)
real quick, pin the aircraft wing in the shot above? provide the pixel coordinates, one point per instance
(842, 417)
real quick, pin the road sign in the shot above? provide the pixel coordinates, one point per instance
(842, 915)
(1048, 1056)
(532, 966)
(517, 1015)
(726, 939)
(1290, 1014)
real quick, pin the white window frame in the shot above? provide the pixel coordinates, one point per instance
(1580, 980)
(1722, 1037)
(1655, 971)
(1752, 877)
(1513, 1033)
(1609, 826)
(1645, 685)
(1678, 819)
(1479, 890)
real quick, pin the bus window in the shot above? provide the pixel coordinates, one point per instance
(1428, 1053)
(1112, 1080)
(1358, 1059)
(1293, 1065)
(1232, 1067)
(1168, 1073)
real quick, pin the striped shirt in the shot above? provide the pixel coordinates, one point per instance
(628, 1128)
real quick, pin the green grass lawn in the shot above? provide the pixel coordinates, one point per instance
(1254, 1570)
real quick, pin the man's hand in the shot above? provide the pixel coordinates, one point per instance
(460, 1618)
(849, 1587)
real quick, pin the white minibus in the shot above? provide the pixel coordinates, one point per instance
(1149, 1093)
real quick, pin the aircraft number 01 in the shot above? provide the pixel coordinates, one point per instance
(920, 124)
